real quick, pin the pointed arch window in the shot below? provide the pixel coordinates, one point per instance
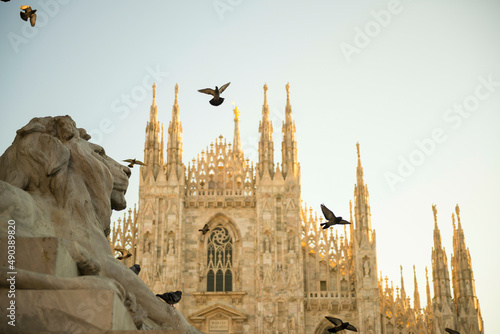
(220, 260)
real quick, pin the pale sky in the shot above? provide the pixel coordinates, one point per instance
(417, 83)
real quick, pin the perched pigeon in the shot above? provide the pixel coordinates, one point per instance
(123, 256)
(205, 229)
(134, 162)
(451, 331)
(340, 325)
(28, 14)
(330, 218)
(171, 298)
(217, 100)
(136, 269)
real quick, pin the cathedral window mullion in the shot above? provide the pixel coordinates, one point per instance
(219, 259)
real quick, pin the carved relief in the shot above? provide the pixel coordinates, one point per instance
(266, 244)
(269, 323)
(268, 274)
(291, 243)
(170, 246)
(366, 266)
(291, 325)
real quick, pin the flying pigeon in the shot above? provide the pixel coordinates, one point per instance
(205, 229)
(28, 14)
(451, 331)
(330, 218)
(217, 100)
(340, 325)
(171, 298)
(134, 162)
(136, 269)
(123, 256)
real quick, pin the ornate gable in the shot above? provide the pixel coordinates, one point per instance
(219, 318)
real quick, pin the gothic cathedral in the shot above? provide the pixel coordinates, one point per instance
(265, 265)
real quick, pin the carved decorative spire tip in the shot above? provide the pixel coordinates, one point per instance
(176, 91)
(265, 95)
(236, 113)
(434, 211)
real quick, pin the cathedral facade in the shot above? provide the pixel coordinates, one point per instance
(265, 265)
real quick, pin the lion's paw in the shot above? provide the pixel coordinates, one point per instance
(88, 267)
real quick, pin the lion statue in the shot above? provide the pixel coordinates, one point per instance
(55, 183)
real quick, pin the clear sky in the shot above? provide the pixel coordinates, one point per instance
(417, 83)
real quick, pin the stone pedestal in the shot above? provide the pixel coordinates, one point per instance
(71, 311)
(44, 255)
(137, 332)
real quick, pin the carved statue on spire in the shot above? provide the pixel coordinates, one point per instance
(236, 114)
(366, 267)
(457, 210)
(288, 91)
(176, 92)
(265, 94)
(434, 211)
(154, 90)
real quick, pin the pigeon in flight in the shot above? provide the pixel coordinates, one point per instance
(171, 298)
(340, 325)
(28, 14)
(205, 229)
(134, 162)
(330, 218)
(451, 331)
(217, 100)
(123, 251)
(136, 269)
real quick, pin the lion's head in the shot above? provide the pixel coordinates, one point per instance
(53, 160)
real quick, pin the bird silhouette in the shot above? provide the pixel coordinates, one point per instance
(205, 229)
(217, 100)
(340, 325)
(451, 331)
(134, 162)
(171, 298)
(123, 251)
(136, 269)
(330, 218)
(28, 14)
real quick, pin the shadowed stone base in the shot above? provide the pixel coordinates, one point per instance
(44, 255)
(127, 332)
(68, 311)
